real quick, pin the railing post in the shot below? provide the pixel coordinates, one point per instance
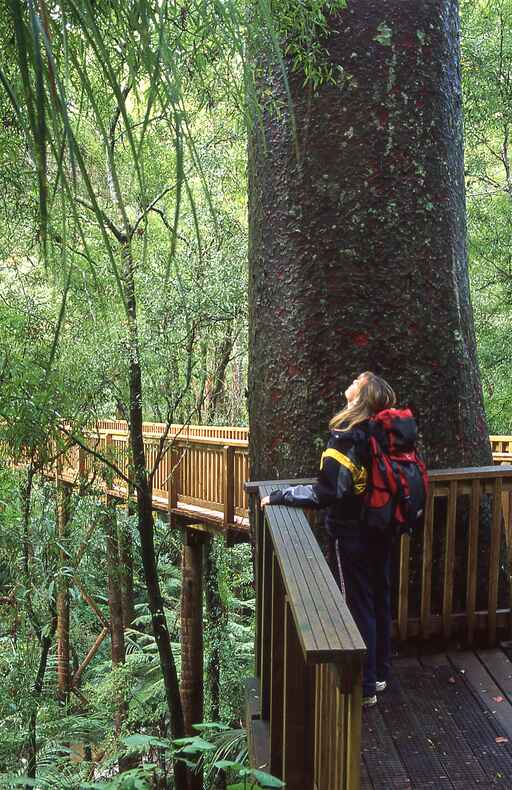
(172, 482)
(277, 671)
(228, 479)
(81, 463)
(298, 712)
(266, 623)
(109, 479)
(259, 525)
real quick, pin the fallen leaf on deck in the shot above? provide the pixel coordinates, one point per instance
(451, 679)
(501, 739)
(499, 699)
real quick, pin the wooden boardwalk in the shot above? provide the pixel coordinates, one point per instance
(445, 721)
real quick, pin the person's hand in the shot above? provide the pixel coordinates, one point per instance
(265, 501)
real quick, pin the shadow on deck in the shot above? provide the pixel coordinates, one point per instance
(445, 721)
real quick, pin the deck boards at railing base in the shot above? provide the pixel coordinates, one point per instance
(258, 731)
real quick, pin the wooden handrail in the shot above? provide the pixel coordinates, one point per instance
(309, 656)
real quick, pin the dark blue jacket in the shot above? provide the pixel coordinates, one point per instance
(341, 482)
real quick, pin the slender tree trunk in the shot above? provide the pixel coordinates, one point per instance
(145, 521)
(219, 375)
(46, 643)
(358, 244)
(191, 685)
(216, 623)
(114, 585)
(62, 603)
(115, 606)
(126, 570)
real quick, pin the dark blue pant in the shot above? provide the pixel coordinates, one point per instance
(365, 559)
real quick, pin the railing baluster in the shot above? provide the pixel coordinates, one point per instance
(426, 575)
(277, 671)
(259, 527)
(494, 558)
(298, 736)
(228, 476)
(449, 559)
(266, 623)
(353, 705)
(471, 579)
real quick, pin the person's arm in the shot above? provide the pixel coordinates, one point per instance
(336, 478)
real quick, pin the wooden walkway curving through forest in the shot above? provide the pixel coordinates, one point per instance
(198, 471)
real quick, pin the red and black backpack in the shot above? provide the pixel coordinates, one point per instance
(397, 477)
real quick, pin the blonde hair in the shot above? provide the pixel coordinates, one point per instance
(375, 394)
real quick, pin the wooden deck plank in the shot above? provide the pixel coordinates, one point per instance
(366, 782)
(442, 734)
(380, 757)
(479, 729)
(485, 690)
(499, 667)
(421, 763)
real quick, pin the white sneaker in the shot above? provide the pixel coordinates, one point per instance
(381, 685)
(369, 701)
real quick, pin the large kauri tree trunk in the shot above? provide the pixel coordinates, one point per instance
(357, 247)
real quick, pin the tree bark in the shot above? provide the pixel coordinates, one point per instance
(126, 570)
(46, 643)
(358, 244)
(218, 384)
(216, 623)
(191, 681)
(62, 603)
(115, 606)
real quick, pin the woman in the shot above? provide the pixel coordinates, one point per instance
(362, 554)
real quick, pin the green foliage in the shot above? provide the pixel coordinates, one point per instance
(486, 61)
(304, 28)
(200, 749)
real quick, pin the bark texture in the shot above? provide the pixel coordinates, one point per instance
(357, 245)
(126, 571)
(191, 684)
(216, 628)
(62, 602)
(191, 679)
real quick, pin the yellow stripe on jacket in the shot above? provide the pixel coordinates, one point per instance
(359, 473)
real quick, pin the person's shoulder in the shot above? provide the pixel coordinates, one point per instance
(358, 434)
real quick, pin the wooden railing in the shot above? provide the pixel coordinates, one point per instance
(307, 707)
(201, 473)
(466, 545)
(501, 444)
(309, 657)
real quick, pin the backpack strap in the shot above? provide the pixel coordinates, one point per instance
(359, 473)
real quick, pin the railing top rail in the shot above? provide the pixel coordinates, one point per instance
(500, 438)
(470, 472)
(325, 627)
(176, 440)
(464, 473)
(155, 427)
